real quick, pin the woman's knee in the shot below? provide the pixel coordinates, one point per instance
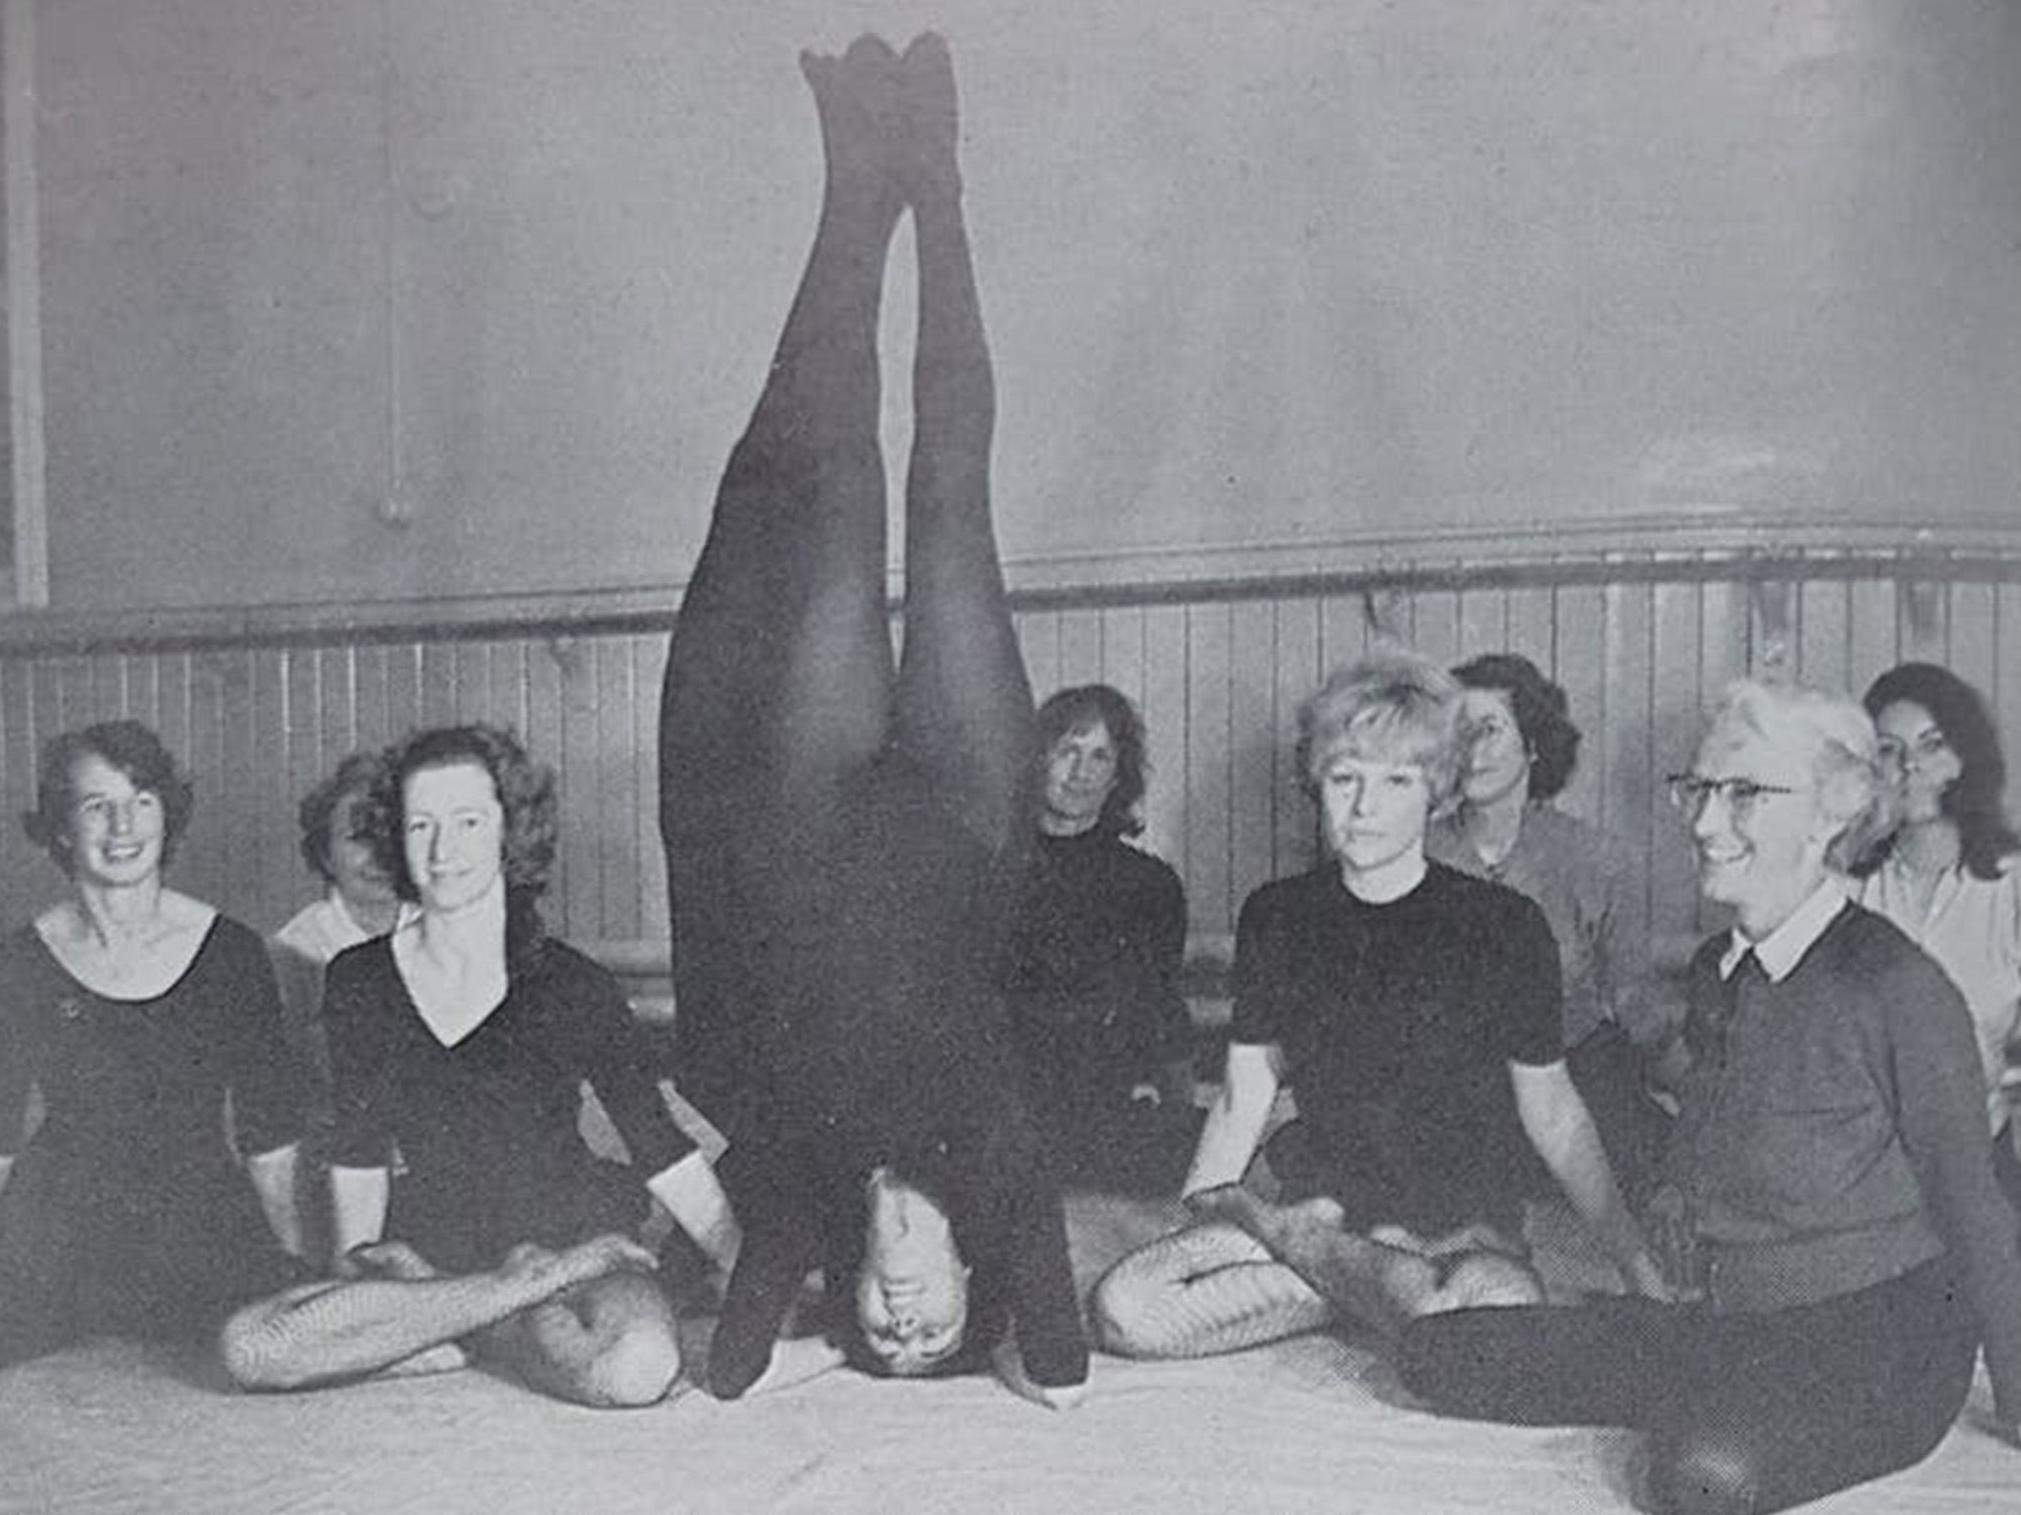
(638, 1368)
(1705, 1473)
(1129, 1310)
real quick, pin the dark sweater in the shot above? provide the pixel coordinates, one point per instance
(1840, 1140)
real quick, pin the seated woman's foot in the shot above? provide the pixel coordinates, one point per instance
(387, 1259)
(858, 100)
(929, 163)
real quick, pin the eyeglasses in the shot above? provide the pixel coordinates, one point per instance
(1690, 793)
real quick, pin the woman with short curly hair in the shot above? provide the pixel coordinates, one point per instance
(141, 1015)
(462, 1041)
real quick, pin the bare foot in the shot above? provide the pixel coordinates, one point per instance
(929, 164)
(388, 1259)
(862, 118)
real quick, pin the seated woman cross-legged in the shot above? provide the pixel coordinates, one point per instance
(1829, 1196)
(463, 1039)
(1097, 944)
(140, 1015)
(1416, 1009)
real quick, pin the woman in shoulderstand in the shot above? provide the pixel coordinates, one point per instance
(136, 1011)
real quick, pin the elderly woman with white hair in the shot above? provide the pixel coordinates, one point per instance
(1830, 1187)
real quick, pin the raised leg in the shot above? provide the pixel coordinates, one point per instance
(964, 702)
(1199, 1292)
(778, 682)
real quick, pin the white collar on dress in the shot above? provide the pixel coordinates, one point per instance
(1783, 948)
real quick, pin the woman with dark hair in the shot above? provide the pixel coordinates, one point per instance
(1947, 874)
(1097, 941)
(1828, 1196)
(138, 1013)
(1521, 750)
(463, 1038)
(836, 829)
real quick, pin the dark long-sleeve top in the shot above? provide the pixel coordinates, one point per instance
(1834, 1135)
(1097, 941)
(881, 1040)
(487, 1128)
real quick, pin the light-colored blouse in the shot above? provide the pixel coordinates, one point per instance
(1972, 927)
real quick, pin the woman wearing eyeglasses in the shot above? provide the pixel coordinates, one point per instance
(1948, 874)
(1829, 1181)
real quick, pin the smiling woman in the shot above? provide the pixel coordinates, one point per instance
(1830, 1193)
(139, 1013)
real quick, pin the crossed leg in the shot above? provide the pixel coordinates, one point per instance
(1255, 1272)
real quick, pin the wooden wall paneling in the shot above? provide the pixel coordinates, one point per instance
(1435, 624)
(1675, 718)
(309, 755)
(404, 710)
(263, 875)
(335, 706)
(76, 693)
(436, 699)
(1038, 633)
(166, 707)
(371, 705)
(1724, 655)
(1873, 642)
(1343, 632)
(1923, 619)
(1123, 651)
(1580, 615)
(649, 665)
(543, 739)
(1163, 702)
(2003, 688)
(1297, 670)
(1080, 649)
(1252, 747)
(1484, 622)
(210, 716)
(618, 795)
(581, 791)
(1824, 647)
(1532, 624)
(18, 856)
(140, 688)
(1209, 880)
(1975, 619)
(473, 682)
(1621, 744)
(506, 669)
(1774, 634)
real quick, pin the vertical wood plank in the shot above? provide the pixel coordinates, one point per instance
(1038, 633)
(1579, 614)
(1298, 670)
(1484, 622)
(543, 740)
(1209, 884)
(1619, 732)
(1252, 754)
(1163, 702)
(1824, 651)
(1080, 647)
(618, 801)
(1343, 632)
(1675, 719)
(1872, 641)
(1532, 624)
(649, 663)
(1123, 651)
(581, 787)
(2003, 686)
(1435, 625)
(1974, 620)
